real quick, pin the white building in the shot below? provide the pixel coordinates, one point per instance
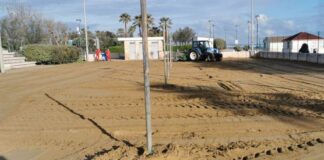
(133, 48)
(274, 44)
(294, 43)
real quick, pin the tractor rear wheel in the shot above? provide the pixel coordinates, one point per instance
(193, 56)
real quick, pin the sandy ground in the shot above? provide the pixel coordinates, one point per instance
(236, 110)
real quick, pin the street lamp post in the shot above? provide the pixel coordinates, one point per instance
(79, 33)
(236, 26)
(146, 77)
(252, 26)
(210, 28)
(86, 29)
(249, 30)
(257, 17)
(214, 31)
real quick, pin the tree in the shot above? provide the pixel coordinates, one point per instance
(125, 18)
(304, 48)
(238, 48)
(107, 39)
(138, 21)
(167, 22)
(120, 32)
(155, 31)
(22, 25)
(219, 43)
(183, 36)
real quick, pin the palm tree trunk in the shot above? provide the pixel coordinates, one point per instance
(125, 31)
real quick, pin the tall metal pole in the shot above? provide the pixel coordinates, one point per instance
(236, 32)
(249, 30)
(86, 29)
(1, 55)
(214, 31)
(257, 23)
(210, 28)
(146, 78)
(252, 26)
(318, 45)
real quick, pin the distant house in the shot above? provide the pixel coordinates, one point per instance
(295, 42)
(274, 44)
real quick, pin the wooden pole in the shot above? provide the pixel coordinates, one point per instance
(165, 55)
(146, 77)
(86, 30)
(1, 56)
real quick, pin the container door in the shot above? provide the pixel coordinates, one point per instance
(132, 51)
(155, 50)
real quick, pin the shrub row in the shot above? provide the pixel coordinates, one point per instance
(49, 54)
(181, 48)
(117, 49)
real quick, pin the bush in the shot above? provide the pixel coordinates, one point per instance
(246, 48)
(238, 48)
(181, 48)
(117, 49)
(48, 54)
(219, 43)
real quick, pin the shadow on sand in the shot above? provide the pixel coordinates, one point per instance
(140, 150)
(285, 107)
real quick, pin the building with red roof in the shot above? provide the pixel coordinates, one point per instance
(294, 43)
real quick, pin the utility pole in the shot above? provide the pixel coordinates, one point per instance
(1, 54)
(252, 27)
(86, 29)
(146, 78)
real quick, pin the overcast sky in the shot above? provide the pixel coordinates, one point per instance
(279, 17)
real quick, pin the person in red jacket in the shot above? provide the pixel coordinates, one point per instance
(98, 52)
(108, 55)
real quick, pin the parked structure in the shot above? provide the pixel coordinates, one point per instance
(133, 48)
(293, 43)
(274, 44)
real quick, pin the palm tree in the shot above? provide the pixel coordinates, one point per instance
(125, 18)
(138, 21)
(167, 21)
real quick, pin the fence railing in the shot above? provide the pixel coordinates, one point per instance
(301, 57)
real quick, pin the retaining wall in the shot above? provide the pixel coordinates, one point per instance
(303, 57)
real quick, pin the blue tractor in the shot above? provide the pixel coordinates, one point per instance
(202, 51)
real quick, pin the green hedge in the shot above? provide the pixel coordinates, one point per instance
(49, 54)
(117, 49)
(181, 48)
